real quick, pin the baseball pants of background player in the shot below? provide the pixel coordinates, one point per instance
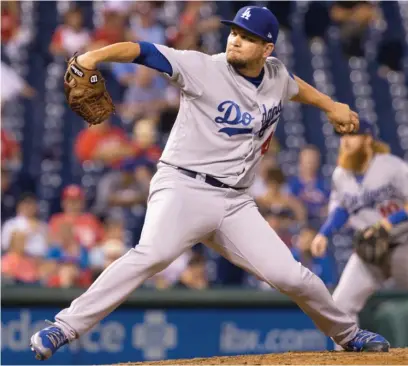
(183, 211)
(361, 280)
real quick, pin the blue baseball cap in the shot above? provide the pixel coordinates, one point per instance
(257, 20)
(367, 128)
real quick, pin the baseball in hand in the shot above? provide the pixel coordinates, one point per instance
(343, 119)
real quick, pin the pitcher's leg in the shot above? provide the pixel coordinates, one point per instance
(248, 236)
(178, 216)
(357, 283)
(112, 288)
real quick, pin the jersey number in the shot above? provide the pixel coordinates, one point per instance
(265, 145)
(389, 208)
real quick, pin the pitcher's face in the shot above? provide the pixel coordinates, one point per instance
(244, 49)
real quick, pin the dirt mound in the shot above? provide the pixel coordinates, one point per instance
(396, 356)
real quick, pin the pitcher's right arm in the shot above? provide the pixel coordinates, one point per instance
(184, 68)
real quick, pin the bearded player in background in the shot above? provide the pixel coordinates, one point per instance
(370, 192)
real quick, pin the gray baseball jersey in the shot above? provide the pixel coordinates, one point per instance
(380, 192)
(225, 123)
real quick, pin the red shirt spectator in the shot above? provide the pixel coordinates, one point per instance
(15, 264)
(10, 149)
(103, 142)
(69, 275)
(71, 36)
(19, 267)
(87, 228)
(112, 31)
(9, 20)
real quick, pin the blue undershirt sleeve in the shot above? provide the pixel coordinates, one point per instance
(151, 57)
(334, 222)
(398, 217)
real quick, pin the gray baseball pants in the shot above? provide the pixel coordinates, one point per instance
(183, 211)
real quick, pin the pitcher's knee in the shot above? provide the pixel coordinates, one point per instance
(153, 260)
(290, 281)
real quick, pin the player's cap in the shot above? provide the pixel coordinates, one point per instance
(367, 128)
(257, 20)
(73, 191)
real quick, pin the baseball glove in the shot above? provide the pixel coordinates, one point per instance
(86, 93)
(372, 244)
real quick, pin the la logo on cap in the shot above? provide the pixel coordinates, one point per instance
(246, 14)
(269, 35)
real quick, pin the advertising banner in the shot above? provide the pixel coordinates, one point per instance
(137, 335)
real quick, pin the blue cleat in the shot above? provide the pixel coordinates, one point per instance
(47, 341)
(365, 341)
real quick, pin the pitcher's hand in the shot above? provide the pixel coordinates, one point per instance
(343, 119)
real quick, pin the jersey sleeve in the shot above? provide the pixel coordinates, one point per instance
(335, 199)
(184, 68)
(401, 177)
(292, 87)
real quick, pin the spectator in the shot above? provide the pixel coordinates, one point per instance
(191, 27)
(13, 85)
(113, 29)
(310, 187)
(111, 248)
(269, 161)
(172, 274)
(67, 247)
(10, 150)
(10, 19)
(276, 199)
(194, 277)
(9, 194)
(68, 262)
(124, 188)
(87, 228)
(13, 37)
(144, 23)
(71, 36)
(26, 221)
(68, 274)
(354, 19)
(145, 95)
(283, 221)
(187, 271)
(104, 143)
(145, 140)
(323, 267)
(16, 265)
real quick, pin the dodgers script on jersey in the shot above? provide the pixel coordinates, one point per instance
(382, 191)
(223, 137)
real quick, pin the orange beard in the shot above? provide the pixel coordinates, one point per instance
(354, 161)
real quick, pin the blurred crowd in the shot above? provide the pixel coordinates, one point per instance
(72, 246)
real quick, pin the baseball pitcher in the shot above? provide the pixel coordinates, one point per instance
(370, 192)
(230, 106)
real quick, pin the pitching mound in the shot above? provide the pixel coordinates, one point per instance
(397, 356)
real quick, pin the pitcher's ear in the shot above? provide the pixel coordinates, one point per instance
(269, 49)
